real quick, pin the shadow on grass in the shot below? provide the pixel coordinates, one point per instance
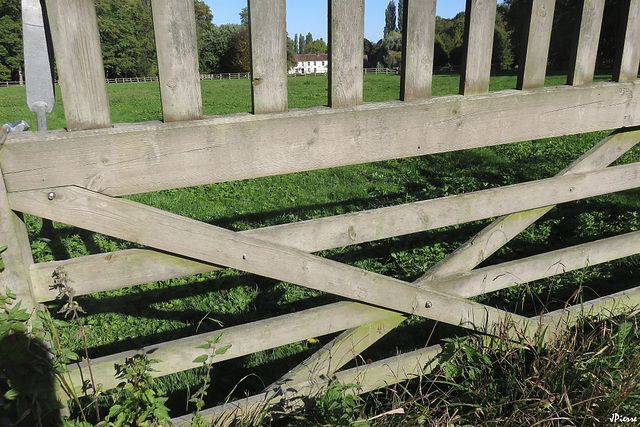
(27, 393)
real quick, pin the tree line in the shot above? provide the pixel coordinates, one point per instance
(128, 47)
(508, 39)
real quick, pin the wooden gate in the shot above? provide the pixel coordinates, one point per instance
(77, 177)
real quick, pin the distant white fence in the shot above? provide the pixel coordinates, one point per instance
(223, 76)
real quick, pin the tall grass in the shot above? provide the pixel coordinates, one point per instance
(588, 377)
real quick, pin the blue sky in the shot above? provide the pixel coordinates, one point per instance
(304, 16)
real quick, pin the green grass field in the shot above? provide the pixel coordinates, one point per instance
(138, 102)
(151, 313)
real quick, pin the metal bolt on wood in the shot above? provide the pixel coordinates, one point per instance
(51, 196)
(428, 304)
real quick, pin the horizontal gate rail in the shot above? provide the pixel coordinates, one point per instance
(348, 229)
(159, 156)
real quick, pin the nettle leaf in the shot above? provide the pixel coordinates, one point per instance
(205, 346)
(201, 359)
(70, 355)
(18, 327)
(223, 350)
(115, 410)
(11, 394)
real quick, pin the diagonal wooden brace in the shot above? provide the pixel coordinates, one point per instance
(173, 233)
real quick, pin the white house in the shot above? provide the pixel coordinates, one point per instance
(311, 63)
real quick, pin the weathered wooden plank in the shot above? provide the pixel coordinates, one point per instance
(489, 279)
(609, 305)
(533, 66)
(627, 61)
(334, 354)
(268, 55)
(418, 33)
(346, 52)
(154, 156)
(174, 26)
(118, 270)
(288, 398)
(76, 42)
(478, 44)
(585, 46)
(166, 231)
(291, 397)
(359, 227)
(347, 345)
(502, 230)
(341, 350)
(343, 230)
(178, 355)
(17, 257)
(372, 376)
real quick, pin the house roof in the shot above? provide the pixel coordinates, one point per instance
(311, 57)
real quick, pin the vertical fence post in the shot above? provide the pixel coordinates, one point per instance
(627, 62)
(267, 19)
(585, 46)
(346, 52)
(418, 33)
(74, 31)
(478, 44)
(533, 64)
(174, 26)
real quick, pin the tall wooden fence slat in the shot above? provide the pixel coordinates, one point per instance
(268, 55)
(174, 25)
(76, 42)
(585, 47)
(625, 68)
(478, 42)
(533, 64)
(346, 52)
(418, 46)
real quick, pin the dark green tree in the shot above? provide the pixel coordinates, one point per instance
(371, 52)
(449, 37)
(316, 46)
(291, 52)
(301, 44)
(204, 23)
(215, 53)
(390, 18)
(391, 49)
(400, 17)
(239, 52)
(244, 16)
(126, 35)
(566, 19)
(11, 59)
